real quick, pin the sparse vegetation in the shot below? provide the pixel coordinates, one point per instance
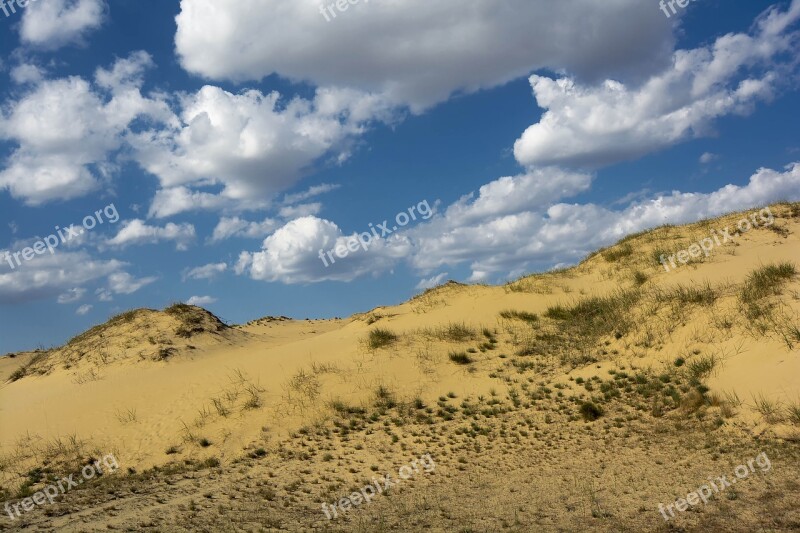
(381, 338)
(525, 316)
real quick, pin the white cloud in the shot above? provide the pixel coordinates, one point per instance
(72, 295)
(505, 244)
(104, 295)
(201, 300)
(84, 309)
(66, 133)
(431, 282)
(124, 283)
(229, 227)
(311, 192)
(588, 125)
(137, 232)
(27, 73)
(416, 51)
(708, 157)
(514, 225)
(209, 271)
(250, 144)
(302, 210)
(291, 254)
(50, 275)
(51, 24)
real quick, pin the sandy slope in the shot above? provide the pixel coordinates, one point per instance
(239, 395)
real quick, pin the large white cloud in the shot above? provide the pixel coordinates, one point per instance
(292, 254)
(53, 23)
(251, 145)
(593, 125)
(505, 244)
(418, 52)
(514, 225)
(67, 130)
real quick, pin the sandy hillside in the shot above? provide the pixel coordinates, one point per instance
(573, 400)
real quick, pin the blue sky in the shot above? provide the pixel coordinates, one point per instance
(237, 139)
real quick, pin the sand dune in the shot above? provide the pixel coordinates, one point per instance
(580, 398)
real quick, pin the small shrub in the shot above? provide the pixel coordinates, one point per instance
(460, 358)
(590, 411)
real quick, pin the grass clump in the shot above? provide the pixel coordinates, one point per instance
(614, 254)
(460, 358)
(766, 281)
(593, 317)
(381, 338)
(769, 409)
(519, 315)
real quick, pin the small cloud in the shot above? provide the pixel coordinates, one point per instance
(309, 193)
(82, 310)
(201, 300)
(708, 157)
(209, 271)
(431, 282)
(136, 232)
(72, 295)
(236, 227)
(27, 73)
(124, 283)
(299, 211)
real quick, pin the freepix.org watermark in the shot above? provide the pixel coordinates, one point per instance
(717, 485)
(51, 242)
(52, 491)
(378, 486)
(671, 3)
(364, 240)
(717, 238)
(11, 5)
(340, 5)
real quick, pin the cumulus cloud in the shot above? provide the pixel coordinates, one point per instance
(84, 309)
(292, 254)
(595, 125)
(201, 300)
(137, 232)
(418, 52)
(251, 145)
(209, 271)
(67, 130)
(509, 244)
(51, 24)
(514, 225)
